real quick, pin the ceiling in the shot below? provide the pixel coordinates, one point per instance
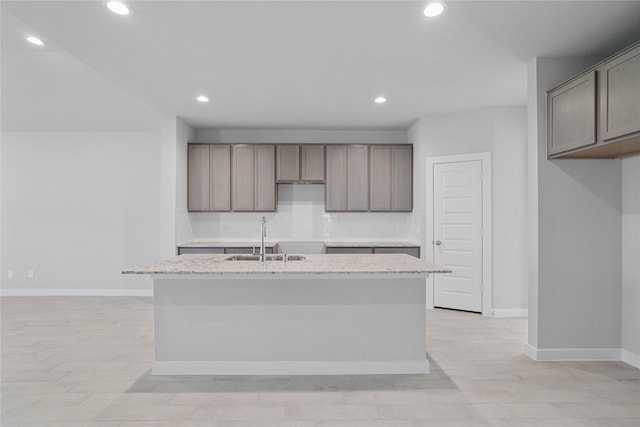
(284, 65)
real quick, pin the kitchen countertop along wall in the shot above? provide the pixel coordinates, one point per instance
(313, 264)
(340, 244)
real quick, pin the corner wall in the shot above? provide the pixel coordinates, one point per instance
(630, 261)
(184, 135)
(574, 238)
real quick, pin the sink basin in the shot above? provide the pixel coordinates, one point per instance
(275, 257)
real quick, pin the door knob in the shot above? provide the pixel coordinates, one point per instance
(438, 242)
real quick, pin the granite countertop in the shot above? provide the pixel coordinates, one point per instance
(356, 244)
(365, 244)
(226, 244)
(314, 264)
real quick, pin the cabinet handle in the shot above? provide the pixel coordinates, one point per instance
(438, 242)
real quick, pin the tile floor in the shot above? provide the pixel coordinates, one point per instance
(85, 361)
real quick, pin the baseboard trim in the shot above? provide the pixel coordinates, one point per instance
(631, 358)
(14, 292)
(510, 312)
(573, 354)
(290, 367)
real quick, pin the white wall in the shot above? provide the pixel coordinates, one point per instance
(78, 208)
(184, 135)
(502, 132)
(509, 208)
(631, 260)
(574, 238)
(300, 214)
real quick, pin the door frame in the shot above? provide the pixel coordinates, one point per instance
(487, 284)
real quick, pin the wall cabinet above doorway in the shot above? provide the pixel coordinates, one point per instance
(597, 113)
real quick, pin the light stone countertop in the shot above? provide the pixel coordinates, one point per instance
(376, 244)
(215, 264)
(270, 244)
(226, 244)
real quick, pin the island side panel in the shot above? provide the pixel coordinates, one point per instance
(290, 326)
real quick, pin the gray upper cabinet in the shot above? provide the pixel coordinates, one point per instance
(357, 178)
(336, 179)
(312, 163)
(243, 178)
(209, 183)
(347, 179)
(220, 178)
(253, 178)
(619, 86)
(297, 163)
(391, 178)
(380, 177)
(288, 163)
(571, 115)
(577, 129)
(198, 178)
(265, 178)
(402, 178)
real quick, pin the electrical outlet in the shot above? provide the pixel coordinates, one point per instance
(30, 274)
(10, 274)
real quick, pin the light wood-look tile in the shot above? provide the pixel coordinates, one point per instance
(85, 361)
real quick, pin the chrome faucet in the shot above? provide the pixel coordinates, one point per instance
(263, 233)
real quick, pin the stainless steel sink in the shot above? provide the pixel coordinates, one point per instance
(274, 257)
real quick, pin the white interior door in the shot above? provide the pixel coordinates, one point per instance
(457, 232)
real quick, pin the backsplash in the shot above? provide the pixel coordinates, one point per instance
(301, 216)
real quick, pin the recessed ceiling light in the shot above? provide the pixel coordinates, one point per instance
(433, 9)
(380, 100)
(35, 40)
(118, 7)
(202, 98)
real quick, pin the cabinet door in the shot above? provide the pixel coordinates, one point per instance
(243, 178)
(336, 178)
(380, 177)
(571, 115)
(401, 178)
(357, 178)
(288, 163)
(619, 86)
(312, 163)
(265, 178)
(198, 177)
(220, 177)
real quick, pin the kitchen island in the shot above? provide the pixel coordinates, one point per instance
(326, 314)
